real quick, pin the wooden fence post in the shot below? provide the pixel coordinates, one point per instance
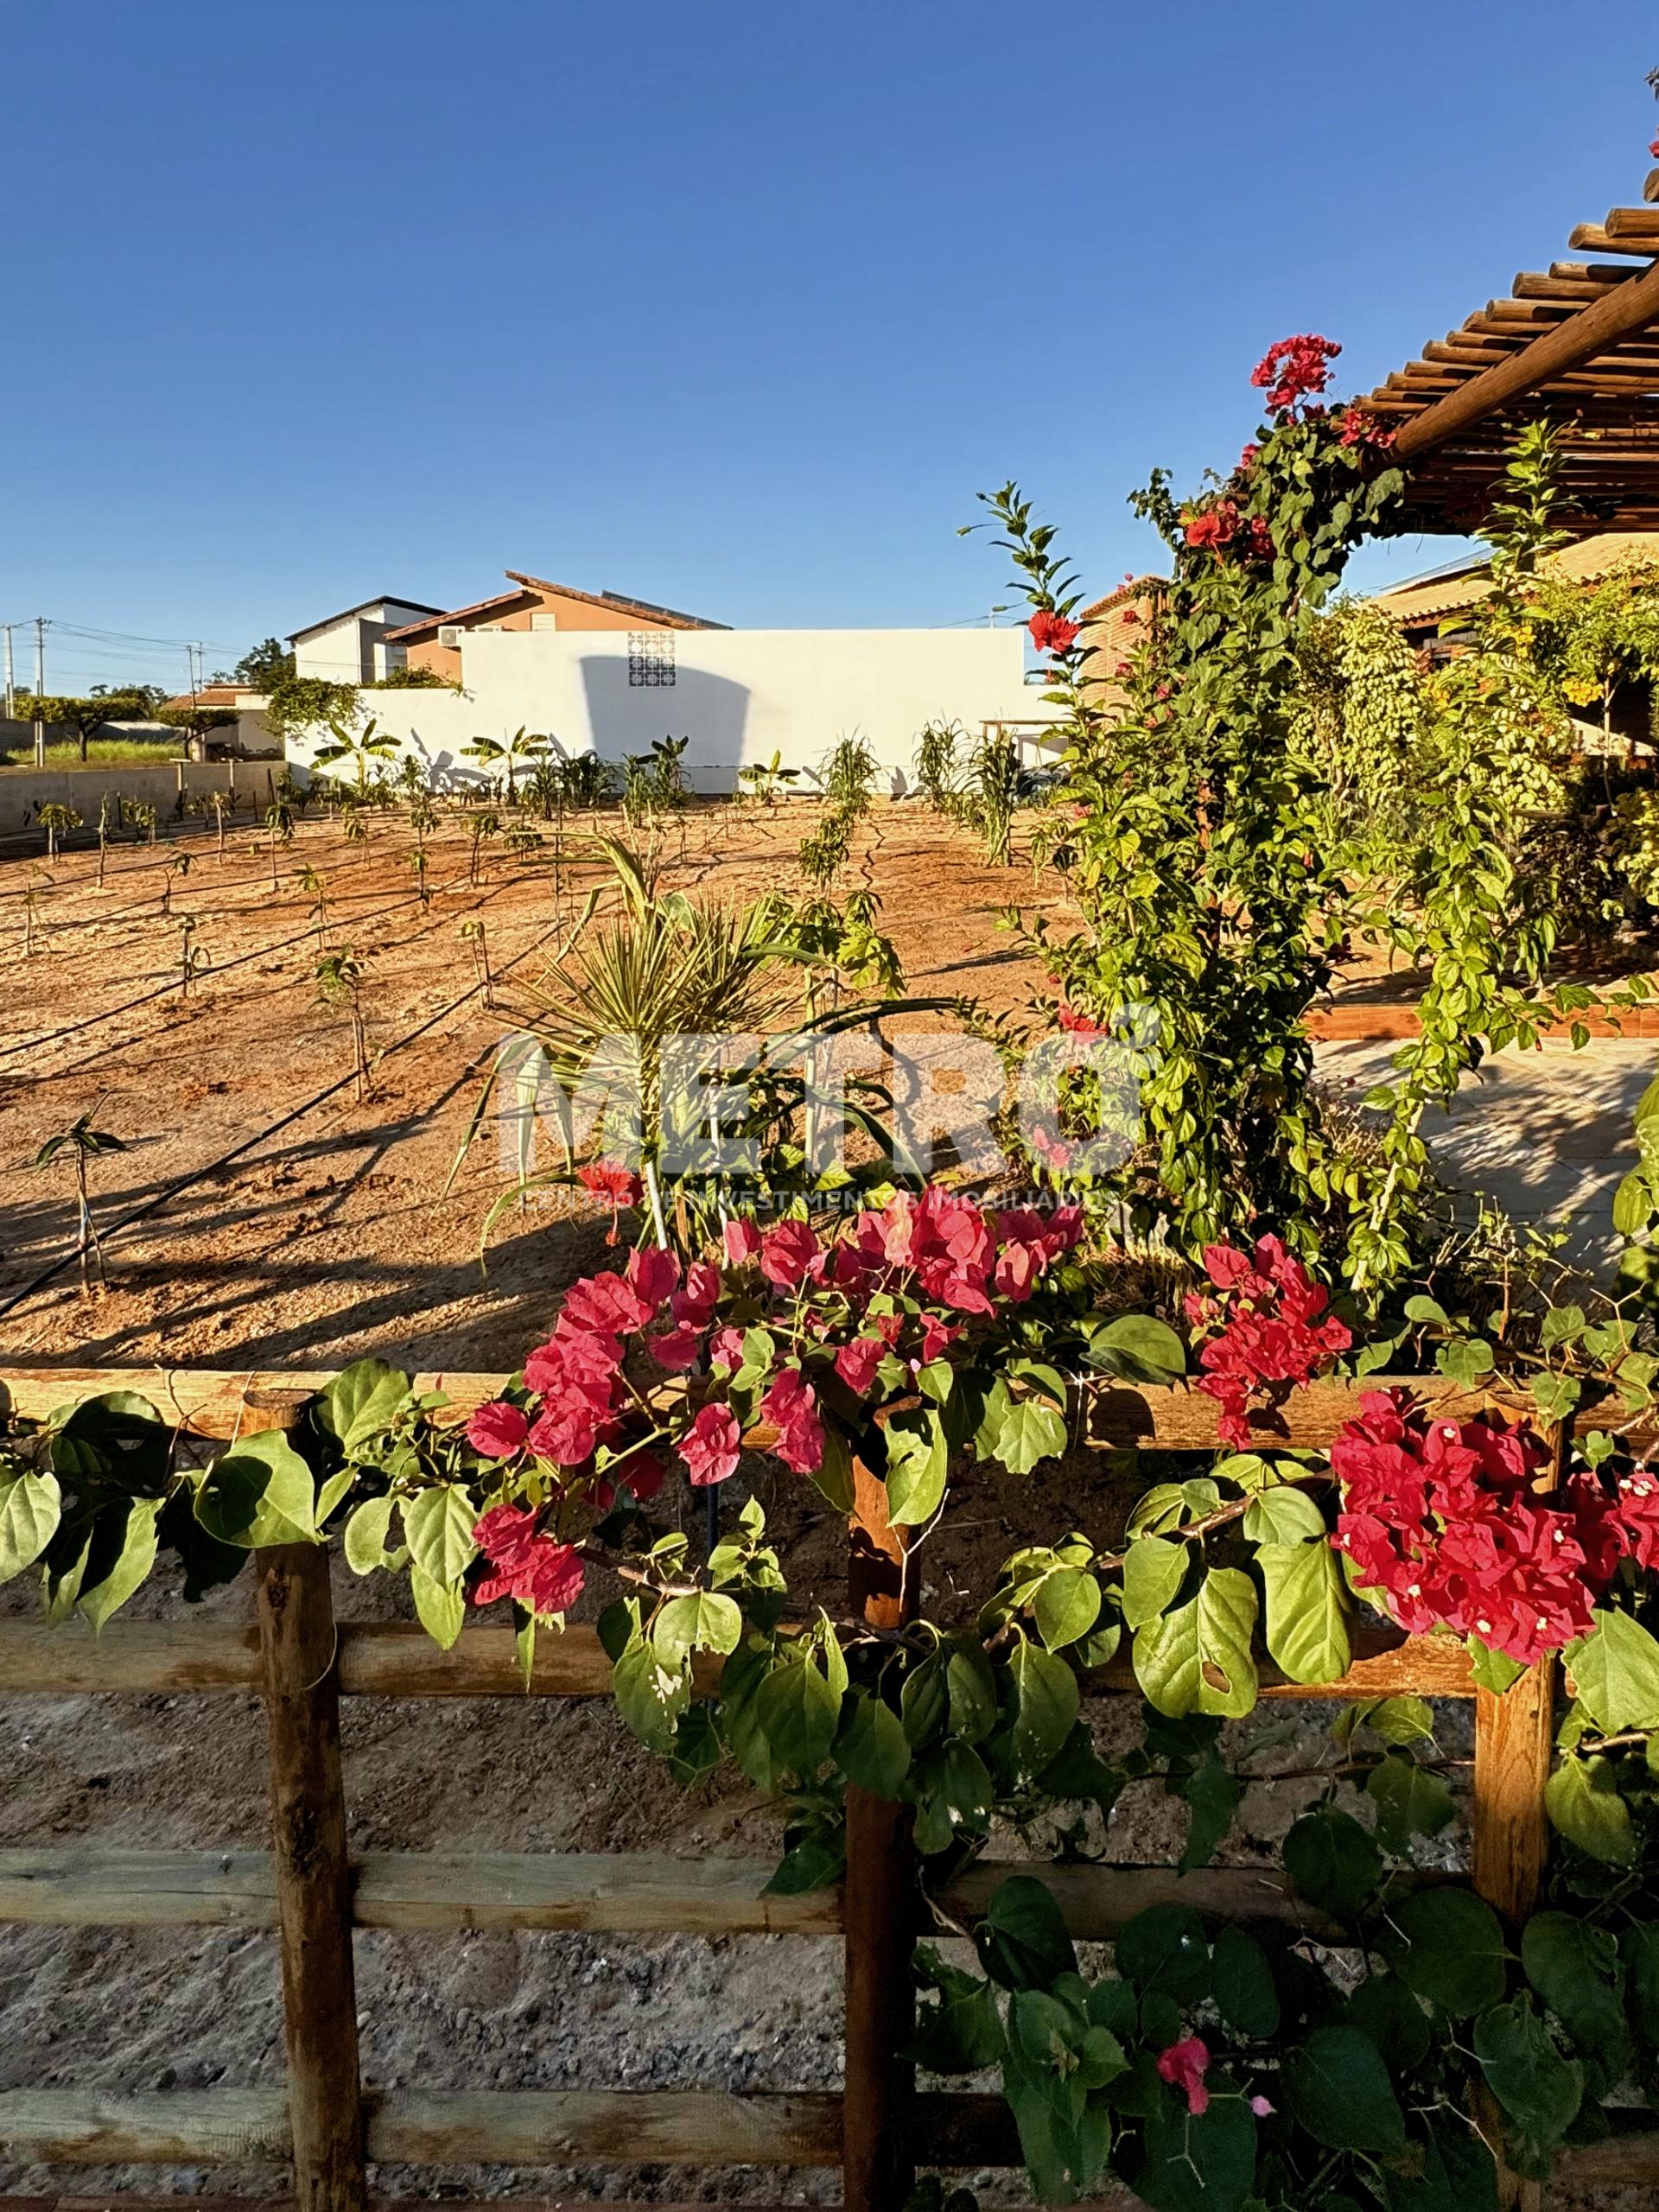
(1514, 1743)
(880, 1908)
(314, 1881)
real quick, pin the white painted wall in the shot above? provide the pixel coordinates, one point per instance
(739, 696)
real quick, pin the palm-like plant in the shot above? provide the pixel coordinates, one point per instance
(365, 749)
(339, 983)
(521, 750)
(762, 780)
(611, 1006)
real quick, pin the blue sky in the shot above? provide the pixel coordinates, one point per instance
(732, 305)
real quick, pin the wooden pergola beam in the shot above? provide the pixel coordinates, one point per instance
(1620, 314)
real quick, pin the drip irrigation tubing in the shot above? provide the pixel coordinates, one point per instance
(170, 1191)
(223, 968)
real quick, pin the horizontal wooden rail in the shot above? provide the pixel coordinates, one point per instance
(605, 1893)
(398, 1659)
(209, 1402)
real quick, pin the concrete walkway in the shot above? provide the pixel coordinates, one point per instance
(1544, 1134)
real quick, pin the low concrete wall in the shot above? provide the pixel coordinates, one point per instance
(23, 792)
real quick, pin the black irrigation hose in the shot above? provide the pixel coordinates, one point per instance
(223, 968)
(250, 1144)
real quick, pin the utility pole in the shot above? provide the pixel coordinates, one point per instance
(11, 681)
(39, 690)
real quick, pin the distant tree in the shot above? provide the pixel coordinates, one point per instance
(407, 678)
(150, 694)
(197, 721)
(85, 715)
(268, 663)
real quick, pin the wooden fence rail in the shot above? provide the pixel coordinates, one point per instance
(314, 1892)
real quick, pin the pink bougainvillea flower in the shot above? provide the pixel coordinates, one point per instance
(936, 1337)
(1268, 1327)
(741, 1240)
(791, 1403)
(787, 1253)
(710, 1446)
(1295, 370)
(856, 1362)
(677, 1349)
(726, 1350)
(652, 1273)
(1440, 1520)
(1183, 2065)
(1052, 633)
(543, 1575)
(607, 1304)
(694, 1303)
(566, 1432)
(1260, 2107)
(641, 1473)
(497, 1430)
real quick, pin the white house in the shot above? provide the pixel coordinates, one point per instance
(739, 696)
(351, 648)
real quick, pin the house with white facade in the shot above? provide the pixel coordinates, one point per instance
(599, 672)
(356, 647)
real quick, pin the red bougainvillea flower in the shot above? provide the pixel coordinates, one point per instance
(608, 1179)
(652, 1272)
(1439, 1521)
(791, 1403)
(1052, 633)
(1260, 543)
(1183, 2065)
(1355, 427)
(788, 1254)
(1246, 460)
(726, 1350)
(710, 1446)
(543, 1575)
(1268, 1326)
(857, 1361)
(1653, 150)
(1214, 526)
(741, 1240)
(693, 1304)
(677, 1349)
(497, 1430)
(641, 1473)
(1294, 370)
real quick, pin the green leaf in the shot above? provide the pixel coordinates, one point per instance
(704, 1622)
(365, 1539)
(1033, 1430)
(438, 1524)
(1137, 1347)
(971, 1688)
(118, 1439)
(1022, 1941)
(124, 1561)
(1408, 1802)
(1153, 1570)
(1048, 1701)
(1244, 1991)
(650, 1696)
(1539, 2089)
(1582, 1799)
(1284, 1515)
(1493, 1670)
(30, 1506)
(917, 1463)
(1066, 1607)
(260, 1492)
(440, 1607)
(871, 1748)
(1202, 2164)
(359, 1403)
(1447, 1945)
(1385, 2010)
(1197, 1658)
(1332, 1861)
(962, 2032)
(923, 1703)
(1638, 1948)
(1614, 1672)
(1338, 2089)
(1572, 1965)
(817, 1860)
(1308, 1609)
(1163, 1951)
(799, 1711)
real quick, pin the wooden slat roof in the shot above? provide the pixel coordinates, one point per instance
(1578, 342)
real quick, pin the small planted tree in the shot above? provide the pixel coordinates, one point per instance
(997, 782)
(508, 756)
(312, 880)
(339, 983)
(472, 934)
(141, 818)
(279, 832)
(221, 805)
(177, 867)
(764, 781)
(57, 820)
(77, 1144)
(193, 958)
(483, 825)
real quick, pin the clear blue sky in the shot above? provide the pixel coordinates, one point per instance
(733, 304)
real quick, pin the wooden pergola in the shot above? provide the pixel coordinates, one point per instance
(1578, 343)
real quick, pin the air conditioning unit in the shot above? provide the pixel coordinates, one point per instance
(450, 634)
